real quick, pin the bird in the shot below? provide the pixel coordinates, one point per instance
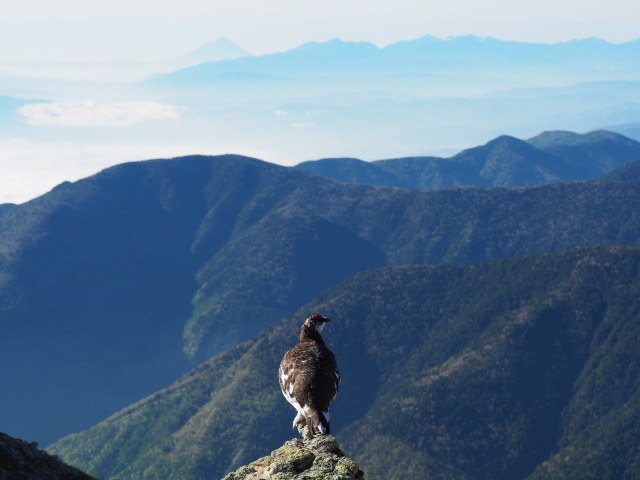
(309, 377)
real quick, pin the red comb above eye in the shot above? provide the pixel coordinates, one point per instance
(316, 317)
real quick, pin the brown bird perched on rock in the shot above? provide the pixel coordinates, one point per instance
(309, 377)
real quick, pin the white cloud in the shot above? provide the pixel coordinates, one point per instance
(95, 114)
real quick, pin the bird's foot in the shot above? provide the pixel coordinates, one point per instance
(303, 429)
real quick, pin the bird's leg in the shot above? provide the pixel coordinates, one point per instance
(299, 419)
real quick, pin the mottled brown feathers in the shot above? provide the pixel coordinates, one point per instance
(309, 377)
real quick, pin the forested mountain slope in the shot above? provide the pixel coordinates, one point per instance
(513, 369)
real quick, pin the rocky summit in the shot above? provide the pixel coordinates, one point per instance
(318, 458)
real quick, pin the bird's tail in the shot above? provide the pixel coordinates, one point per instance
(318, 423)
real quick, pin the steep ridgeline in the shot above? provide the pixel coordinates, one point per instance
(504, 161)
(111, 285)
(20, 460)
(522, 368)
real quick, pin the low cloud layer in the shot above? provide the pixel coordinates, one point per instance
(96, 114)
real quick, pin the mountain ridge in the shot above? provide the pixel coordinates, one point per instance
(503, 161)
(310, 58)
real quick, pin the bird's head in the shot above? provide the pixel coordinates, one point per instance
(316, 322)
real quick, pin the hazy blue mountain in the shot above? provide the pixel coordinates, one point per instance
(220, 49)
(514, 369)
(113, 286)
(417, 96)
(427, 54)
(305, 60)
(504, 161)
(490, 53)
(598, 152)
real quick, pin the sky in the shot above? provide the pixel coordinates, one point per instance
(144, 29)
(41, 31)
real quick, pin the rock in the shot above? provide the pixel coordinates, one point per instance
(318, 458)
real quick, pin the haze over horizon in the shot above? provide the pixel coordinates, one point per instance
(67, 112)
(107, 30)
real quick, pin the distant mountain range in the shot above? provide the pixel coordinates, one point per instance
(413, 98)
(505, 161)
(113, 286)
(424, 97)
(424, 55)
(515, 369)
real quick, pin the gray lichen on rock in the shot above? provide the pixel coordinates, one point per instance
(318, 458)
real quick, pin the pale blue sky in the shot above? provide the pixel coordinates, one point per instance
(144, 29)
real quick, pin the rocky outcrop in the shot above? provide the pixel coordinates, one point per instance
(20, 460)
(318, 458)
